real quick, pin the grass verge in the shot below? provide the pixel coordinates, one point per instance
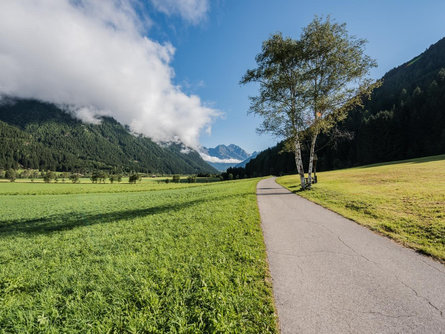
(404, 200)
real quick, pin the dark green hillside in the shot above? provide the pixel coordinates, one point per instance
(404, 119)
(18, 147)
(272, 161)
(40, 135)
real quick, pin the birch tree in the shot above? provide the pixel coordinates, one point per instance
(281, 100)
(308, 85)
(336, 69)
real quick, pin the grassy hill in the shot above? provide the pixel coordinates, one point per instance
(404, 200)
(39, 135)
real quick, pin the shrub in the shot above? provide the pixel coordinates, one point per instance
(74, 177)
(48, 176)
(11, 174)
(191, 179)
(134, 177)
(94, 176)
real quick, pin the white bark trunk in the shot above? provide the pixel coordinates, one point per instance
(299, 163)
(311, 160)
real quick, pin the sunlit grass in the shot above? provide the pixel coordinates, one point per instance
(184, 260)
(404, 200)
(38, 187)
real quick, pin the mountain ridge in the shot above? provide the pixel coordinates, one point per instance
(223, 156)
(40, 135)
(230, 151)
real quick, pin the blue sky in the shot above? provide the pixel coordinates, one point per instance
(167, 68)
(212, 55)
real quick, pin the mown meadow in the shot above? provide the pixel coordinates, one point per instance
(38, 187)
(404, 200)
(149, 257)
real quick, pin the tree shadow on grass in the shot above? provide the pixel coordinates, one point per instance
(274, 194)
(296, 189)
(71, 220)
(299, 190)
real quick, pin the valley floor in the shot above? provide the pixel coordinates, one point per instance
(133, 258)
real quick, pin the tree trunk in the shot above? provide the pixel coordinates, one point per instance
(299, 163)
(311, 159)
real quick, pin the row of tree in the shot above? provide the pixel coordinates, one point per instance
(47, 176)
(177, 179)
(97, 176)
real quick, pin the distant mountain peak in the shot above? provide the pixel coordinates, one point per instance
(224, 156)
(225, 152)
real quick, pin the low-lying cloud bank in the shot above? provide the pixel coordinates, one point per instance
(93, 56)
(210, 158)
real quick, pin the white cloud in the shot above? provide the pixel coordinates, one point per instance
(191, 10)
(92, 56)
(85, 114)
(210, 158)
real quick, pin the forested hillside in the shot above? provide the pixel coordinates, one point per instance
(404, 119)
(40, 135)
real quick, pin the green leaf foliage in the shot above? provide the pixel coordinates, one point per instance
(306, 86)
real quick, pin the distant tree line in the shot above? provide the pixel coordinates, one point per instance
(96, 176)
(46, 176)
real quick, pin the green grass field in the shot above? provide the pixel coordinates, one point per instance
(26, 187)
(38, 187)
(133, 258)
(404, 200)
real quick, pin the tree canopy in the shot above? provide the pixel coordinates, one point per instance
(309, 84)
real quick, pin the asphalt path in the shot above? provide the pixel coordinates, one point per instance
(331, 275)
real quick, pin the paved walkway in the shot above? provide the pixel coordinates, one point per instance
(331, 275)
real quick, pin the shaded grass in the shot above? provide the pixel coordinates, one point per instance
(185, 260)
(404, 200)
